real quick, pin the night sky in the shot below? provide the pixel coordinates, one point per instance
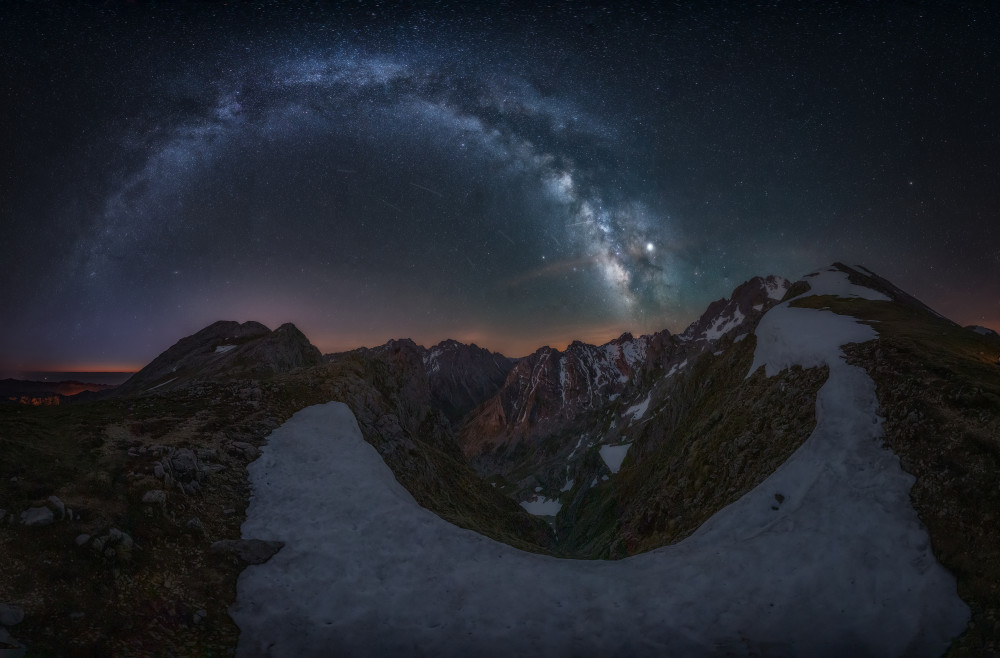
(510, 176)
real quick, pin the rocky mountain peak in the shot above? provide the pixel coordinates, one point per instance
(461, 377)
(225, 349)
(624, 338)
(748, 302)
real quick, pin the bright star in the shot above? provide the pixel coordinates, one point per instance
(649, 247)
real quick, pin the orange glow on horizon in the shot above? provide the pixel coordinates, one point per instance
(90, 367)
(510, 346)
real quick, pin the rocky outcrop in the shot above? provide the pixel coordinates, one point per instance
(548, 389)
(281, 350)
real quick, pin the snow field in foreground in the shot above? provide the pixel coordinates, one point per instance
(842, 567)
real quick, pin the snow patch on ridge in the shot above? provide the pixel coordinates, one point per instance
(788, 336)
(832, 281)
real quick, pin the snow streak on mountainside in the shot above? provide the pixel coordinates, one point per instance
(826, 557)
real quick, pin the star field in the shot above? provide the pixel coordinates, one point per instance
(512, 177)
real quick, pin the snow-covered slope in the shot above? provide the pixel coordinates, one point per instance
(826, 557)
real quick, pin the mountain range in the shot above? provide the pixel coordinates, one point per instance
(591, 452)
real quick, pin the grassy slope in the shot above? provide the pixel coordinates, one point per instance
(139, 602)
(143, 602)
(940, 393)
(706, 452)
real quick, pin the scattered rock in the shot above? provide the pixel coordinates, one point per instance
(251, 551)
(184, 464)
(158, 470)
(195, 524)
(58, 506)
(10, 615)
(123, 539)
(76, 616)
(155, 496)
(37, 516)
(779, 497)
(229, 511)
(82, 539)
(199, 616)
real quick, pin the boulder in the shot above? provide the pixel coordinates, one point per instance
(58, 506)
(155, 497)
(82, 539)
(37, 516)
(123, 539)
(184, 464)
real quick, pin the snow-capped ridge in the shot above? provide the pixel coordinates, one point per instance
(744, 307)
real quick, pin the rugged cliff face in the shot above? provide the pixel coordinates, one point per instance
(461, 377)
(555, 407)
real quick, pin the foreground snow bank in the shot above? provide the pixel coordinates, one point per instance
(825, 558)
